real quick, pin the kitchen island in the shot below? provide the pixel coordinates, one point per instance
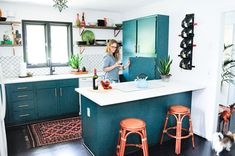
(102, 111)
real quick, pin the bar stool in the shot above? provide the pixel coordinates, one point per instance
(129, 126)
(179, 112)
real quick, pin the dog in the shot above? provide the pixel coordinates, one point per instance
(221, 141)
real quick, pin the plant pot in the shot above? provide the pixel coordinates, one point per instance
(75, 70)
(165, 78)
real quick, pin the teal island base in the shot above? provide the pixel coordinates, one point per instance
(100, 124)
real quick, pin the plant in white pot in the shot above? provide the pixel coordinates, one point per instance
(164, 68)
(75, 62)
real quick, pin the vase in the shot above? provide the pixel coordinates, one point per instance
(165, 78)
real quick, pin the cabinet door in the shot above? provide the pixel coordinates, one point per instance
(129, 43)
(46, 99)
(146, 36)
(68, 101)
(129, 37)
(68, 97)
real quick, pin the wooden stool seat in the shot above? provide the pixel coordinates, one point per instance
(179, 112)
(179, 109)
(129, 126)
(132, 123)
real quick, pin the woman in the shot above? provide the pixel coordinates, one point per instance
(112, 63)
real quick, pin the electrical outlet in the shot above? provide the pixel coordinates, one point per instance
(88, 112)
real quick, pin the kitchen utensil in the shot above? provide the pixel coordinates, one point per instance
(141, 81)
(100, 42)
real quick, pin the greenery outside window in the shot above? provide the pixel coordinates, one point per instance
(47, 42)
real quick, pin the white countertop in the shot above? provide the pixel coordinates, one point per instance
(124, 92)
(48, 77)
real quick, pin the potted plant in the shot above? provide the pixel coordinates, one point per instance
(164, 68)
(75, 62)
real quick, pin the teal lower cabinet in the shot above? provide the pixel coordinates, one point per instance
(101, 128)
(68, 101)
(43, 100)
(46, 99)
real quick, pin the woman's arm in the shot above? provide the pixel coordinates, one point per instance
(107, 69)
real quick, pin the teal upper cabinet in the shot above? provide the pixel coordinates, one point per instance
(145, 37)
(130, 37)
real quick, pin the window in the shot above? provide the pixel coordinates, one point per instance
(47, 42)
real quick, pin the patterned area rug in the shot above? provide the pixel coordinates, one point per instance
(56, 131)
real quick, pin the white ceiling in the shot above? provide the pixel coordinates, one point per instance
(107, 5)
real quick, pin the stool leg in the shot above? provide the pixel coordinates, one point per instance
(118, 144)
(164, 129)
(122, 143)
(144, 143)
(178, 135)
(191, 130)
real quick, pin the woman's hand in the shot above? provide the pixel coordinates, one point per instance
(127, 65)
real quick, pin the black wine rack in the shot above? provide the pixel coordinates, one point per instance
(186, 44)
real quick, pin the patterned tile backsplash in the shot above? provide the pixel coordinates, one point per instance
(11, 65)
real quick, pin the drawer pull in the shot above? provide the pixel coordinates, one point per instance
(20, 88)
(24, 115)
(22, 106)
(22, 96)
(55, 92)
(61, 92)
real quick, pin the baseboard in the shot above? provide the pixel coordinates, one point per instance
(88, 149)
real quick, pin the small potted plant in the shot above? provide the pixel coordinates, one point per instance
(164, 68)
(75, 62)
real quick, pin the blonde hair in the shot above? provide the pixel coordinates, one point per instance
(116, 54)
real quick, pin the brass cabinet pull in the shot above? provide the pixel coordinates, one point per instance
(22, 96)
(20, 88)
(24, 115)
(21, 106)
(55, 92)
(61, 92)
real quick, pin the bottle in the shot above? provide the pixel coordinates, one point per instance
(83, 23)
(187, 32)
(1, 13)
(78, 22)
(95, 80)
(186, 53)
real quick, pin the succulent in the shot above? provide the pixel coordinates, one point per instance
(75, 61)
(165, 66)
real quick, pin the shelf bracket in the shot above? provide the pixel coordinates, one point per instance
(116, 32)
(81, 30)
(82, 49)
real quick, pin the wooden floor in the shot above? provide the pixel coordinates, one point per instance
(17, 146)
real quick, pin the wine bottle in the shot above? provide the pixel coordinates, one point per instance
(187, 43)
(78, 22)
(83, 23)
(186, 53)
(187, 32)
(95, 80)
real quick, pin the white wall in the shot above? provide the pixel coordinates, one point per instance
(207, 54)
(47, 13)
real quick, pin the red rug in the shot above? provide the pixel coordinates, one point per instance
(56, 131)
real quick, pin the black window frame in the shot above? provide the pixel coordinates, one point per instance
(47, 25)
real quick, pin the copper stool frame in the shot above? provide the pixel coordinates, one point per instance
(123, 134)
(179, 118)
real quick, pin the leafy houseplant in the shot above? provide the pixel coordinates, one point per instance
(228, 74)
(75, 62)
(164, 68)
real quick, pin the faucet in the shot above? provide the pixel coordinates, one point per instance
(52, 69)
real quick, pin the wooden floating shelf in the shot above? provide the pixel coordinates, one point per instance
(91, 45)
(9, 22)
(9, 45)
(100, 27)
